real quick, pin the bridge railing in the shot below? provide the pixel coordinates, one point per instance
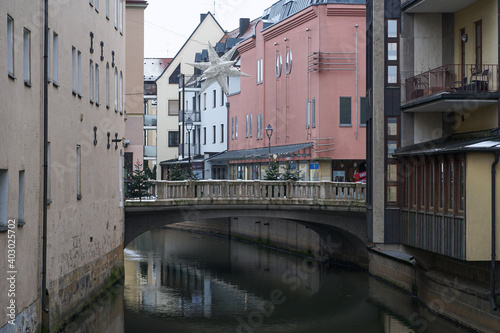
(256, 189)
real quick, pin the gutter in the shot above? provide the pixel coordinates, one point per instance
(45, 318)
(493, 231)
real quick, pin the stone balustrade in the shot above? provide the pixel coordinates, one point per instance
(257, 191)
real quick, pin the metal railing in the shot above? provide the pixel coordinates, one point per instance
(452, 79)
(149, 151)
(254, 191)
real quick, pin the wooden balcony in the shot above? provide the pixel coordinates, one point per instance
(451, 82)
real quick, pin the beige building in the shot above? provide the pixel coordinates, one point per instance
(134, 87)
(168, 139)
(86, 67)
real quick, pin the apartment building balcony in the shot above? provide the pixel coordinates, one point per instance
(150, 121)
(451, 87)
(149, 152)
(433, 6)
(195, 116)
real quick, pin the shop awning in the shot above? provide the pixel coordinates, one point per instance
(484, 141)
(296, 150)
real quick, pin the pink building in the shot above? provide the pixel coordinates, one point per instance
(307, 67)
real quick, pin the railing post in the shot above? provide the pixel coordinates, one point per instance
(190, 189)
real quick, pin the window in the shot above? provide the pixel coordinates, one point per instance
(48, 56)
(79, 72)
(362, 111)
(288, 62)
(96, 83)
(10, 46)
(215, 133)
(246, 126)
(73, 56)
(421, 181)
(78, 172)
(250, 125)
(451, 185)
(121, 92)
(91, 81)
(27, 56)
(194, 103)
(232, 128)
(4, 198)
(91, 2)
(116, 89)
(107, 9)
(107, 85)
(221, 133)
(173, 108)
(204, 135)
(48, 174)
(215, 99)
(258, 127)
(479, 44)
(55, 59)
(431, 185)
(461, 186)
(116, 14)
(236, 128)
(121, 16)
(20, 202)
(441, 185)
(199, 102)
(221, 97)
(344, 111)
(96, 5)
(204, 101)
(313, 106)
(260, 71)
(261, 126)
(392, 52)
(279, 64)
(173, 138)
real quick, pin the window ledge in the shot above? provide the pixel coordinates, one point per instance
(12, 76)
(27, 84)
(21, 223)
(55, 84)
(4, 228)
(78, 197)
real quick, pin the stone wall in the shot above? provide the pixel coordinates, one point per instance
(25, 321)
(79, 288)
(448, 288)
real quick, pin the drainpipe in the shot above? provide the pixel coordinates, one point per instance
(356, 26)
(45, 319)
(493, 231)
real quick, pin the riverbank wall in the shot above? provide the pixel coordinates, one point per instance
(456, 290)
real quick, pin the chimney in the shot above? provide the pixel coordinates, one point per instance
(244, 24)
(202, 17)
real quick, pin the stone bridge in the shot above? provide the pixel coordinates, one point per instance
(329, 208)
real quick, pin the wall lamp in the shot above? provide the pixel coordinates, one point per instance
(464, 38)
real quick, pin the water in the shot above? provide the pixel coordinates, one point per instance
(183, 282)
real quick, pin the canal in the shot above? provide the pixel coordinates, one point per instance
(183, 282)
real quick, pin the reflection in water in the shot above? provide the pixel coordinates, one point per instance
(183, 282)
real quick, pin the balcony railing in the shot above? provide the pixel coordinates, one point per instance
(149, 151)
(150, 120)
(194, 115)
(452, 79)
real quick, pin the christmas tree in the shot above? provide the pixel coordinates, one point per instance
(290, 174)
(139, 184)
(273, 173)
(177, 173)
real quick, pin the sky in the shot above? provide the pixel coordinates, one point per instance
(169, 23)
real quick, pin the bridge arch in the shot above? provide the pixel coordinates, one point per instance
(342, 229)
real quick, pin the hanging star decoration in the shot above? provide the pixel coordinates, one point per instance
(218, 69)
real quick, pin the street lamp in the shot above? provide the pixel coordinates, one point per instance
(269, 132)
(189, 127)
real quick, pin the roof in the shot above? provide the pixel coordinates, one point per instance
(283, 9)
(236, 33)
(153, 67)
(483, 141)
(261, 153)
(203, 18)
